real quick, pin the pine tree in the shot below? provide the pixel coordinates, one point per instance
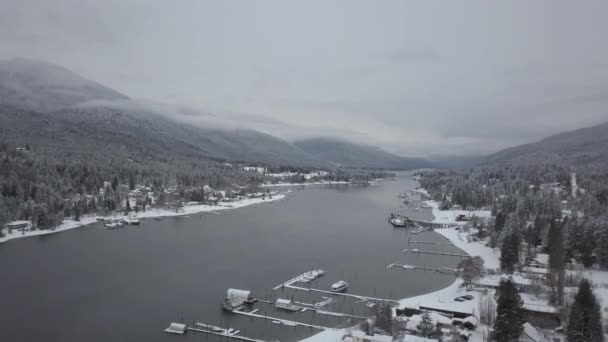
(556, 261)
(509, 312)
(509, 251)
(426, 325)
(127, 207)
(471, 269)
(585, 321)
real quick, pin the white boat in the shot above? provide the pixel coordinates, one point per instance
(340, 286)
(397, 222)
(133, 221)
(286, 304)
(113, 225)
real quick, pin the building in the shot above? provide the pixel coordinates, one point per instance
(19, 225)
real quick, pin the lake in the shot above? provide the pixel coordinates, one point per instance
(93, 284)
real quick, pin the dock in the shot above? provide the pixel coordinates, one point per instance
(431, 243)
(415, 267)
(436, 253)
(341, 294)
(284, 321)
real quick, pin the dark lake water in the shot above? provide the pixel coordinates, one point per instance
(93, 284)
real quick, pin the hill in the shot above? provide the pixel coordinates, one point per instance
(43, 87)
(345, 153)
(585, 146)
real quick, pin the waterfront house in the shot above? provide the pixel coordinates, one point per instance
(19, 225)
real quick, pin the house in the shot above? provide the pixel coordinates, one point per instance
(19, 225)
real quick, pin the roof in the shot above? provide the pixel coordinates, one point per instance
(237, 296)
(17, 223)
(532, 333)
(283, 301)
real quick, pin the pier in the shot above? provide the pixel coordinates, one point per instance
(342, 294)
(424, 268)
(431, 243)
(284, 321)
(436, 253)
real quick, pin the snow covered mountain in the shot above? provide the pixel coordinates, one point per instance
(585, 146)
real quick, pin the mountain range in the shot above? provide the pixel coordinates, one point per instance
(46, 105)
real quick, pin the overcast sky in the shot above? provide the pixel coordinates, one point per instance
(417, 78)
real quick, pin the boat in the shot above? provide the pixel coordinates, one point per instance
(286, 304)
(339, 286)
(113, 225)
(397, 222)
(134, 221)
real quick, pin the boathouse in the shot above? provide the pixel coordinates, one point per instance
(236, 298)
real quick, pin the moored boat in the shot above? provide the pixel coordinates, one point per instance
(339, 286)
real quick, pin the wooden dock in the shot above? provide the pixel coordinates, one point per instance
(341, 294)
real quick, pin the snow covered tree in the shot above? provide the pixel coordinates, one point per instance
(585, 321)
(511, 242)
(471, 269)
(508, 325)
(426, 326)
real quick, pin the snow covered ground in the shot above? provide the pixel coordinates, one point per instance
(449, 216)
(152, 212)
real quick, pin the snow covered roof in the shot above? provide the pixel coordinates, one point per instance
(236, 296)
(471, 320)
(283, 301)
(17, 224)
(436, 317)
(532, 333)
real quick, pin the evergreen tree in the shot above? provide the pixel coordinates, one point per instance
(557, 258)
(471, 269)
(509, 312)
(426, 326)
(127, 207)
(585, 320)
(509, 250)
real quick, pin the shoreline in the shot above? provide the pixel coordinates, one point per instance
(69, 224)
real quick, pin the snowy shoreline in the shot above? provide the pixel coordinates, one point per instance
(150, 213)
